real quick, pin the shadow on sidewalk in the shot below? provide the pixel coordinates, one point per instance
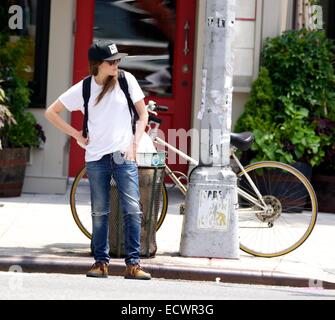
(55, 249)
(73, 250)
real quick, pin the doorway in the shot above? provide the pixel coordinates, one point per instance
(158, 35)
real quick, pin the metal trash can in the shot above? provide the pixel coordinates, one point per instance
(151, 173)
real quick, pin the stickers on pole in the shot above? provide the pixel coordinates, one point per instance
(213, 210)
(221, 21)
(203, 95)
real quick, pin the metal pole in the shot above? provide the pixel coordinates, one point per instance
(216, 109)
(210, 226)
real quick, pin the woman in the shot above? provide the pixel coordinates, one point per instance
(110, 151)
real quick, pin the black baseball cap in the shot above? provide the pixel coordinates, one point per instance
(104, 50)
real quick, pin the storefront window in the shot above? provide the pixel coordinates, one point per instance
(146, 31)
(35, 29)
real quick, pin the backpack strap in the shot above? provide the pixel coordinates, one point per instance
(86, 96)
(124, 87)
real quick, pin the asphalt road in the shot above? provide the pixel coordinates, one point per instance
(24, 286)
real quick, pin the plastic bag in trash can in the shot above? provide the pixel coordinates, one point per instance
(146, 145)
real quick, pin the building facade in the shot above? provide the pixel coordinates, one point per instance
(165, 44)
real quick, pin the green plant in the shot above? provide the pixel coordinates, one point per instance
(300, 63)
(6, 117)
(293, 93)
(258, 117)
(26, 132)
(326, 130)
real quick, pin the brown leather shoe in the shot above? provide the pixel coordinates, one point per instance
(98, 270)
(136, 272)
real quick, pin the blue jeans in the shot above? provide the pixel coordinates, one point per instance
(125, 174)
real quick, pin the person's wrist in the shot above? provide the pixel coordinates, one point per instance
(77, 135)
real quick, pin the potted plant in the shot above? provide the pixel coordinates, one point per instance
(12, 161)
(299, 76)
(23, 133)
(308, 60)
(292, 102)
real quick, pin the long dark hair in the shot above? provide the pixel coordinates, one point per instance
(109, 83)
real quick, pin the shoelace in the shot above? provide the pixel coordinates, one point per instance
(135, 268)
(99, 265)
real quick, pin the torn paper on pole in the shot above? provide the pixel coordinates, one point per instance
(203, 95)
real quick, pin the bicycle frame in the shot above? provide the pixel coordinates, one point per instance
(257, 202)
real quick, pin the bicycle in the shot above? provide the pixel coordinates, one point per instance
(277, 204)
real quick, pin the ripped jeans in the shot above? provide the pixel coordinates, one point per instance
(125, 174)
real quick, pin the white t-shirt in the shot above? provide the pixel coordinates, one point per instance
(109, 121)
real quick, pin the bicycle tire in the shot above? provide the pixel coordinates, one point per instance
(78, 218)
(74, 211)
(303, 204)
(165, 202)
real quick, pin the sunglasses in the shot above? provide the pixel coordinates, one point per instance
(113, 62)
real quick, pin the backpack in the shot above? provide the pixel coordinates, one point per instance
(124, 87)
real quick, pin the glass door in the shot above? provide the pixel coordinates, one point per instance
(146, 30)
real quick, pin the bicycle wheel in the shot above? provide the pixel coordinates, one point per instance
(284, 219)
(163, 207)
(80, 202)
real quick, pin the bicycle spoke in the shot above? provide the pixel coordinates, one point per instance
(286, 223)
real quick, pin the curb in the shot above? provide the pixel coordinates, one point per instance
(76, 266)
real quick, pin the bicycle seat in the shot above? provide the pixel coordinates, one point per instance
(242, 141)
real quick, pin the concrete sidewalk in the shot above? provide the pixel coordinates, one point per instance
(37, 233)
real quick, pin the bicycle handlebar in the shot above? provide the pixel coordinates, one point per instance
(155, 119)
(162, 108)
(152, 106)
